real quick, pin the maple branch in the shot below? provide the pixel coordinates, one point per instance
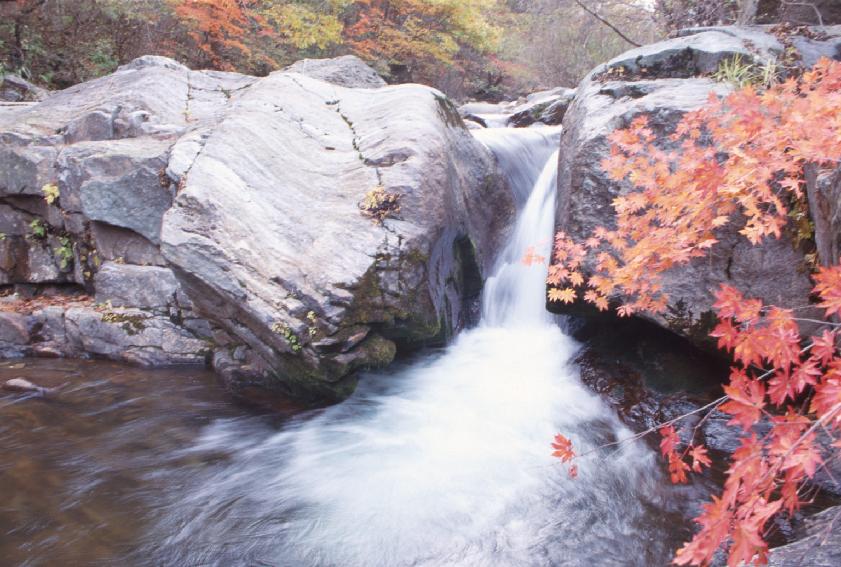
(818, 423)
(807, 320)
(712, 405)
(608, 24)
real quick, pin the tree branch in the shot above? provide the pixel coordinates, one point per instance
(605, 22)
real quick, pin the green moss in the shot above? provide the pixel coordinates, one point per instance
(291, 338)
(64, 252)
(380, 352)
(131, 324)
(39, 229)
(416, 257)
(448, 112)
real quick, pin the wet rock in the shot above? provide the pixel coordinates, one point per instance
(14, 333)
(134, 336)
(25, 386)
(544, 107)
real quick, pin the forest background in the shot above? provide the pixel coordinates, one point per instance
(470, 49)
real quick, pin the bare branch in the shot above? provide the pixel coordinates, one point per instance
(605, 22)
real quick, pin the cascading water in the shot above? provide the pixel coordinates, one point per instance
(445, 461)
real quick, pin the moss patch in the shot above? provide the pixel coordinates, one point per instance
(131, 324)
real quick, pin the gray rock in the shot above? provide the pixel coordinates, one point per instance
(24, 168)
(544, 107)
(267, 227)
(114, 243)
(134, 336)
(14, 333)
(17, 89)
(79, 330)
(121, 183)
(547, 108)
(555, 111)
(772, 271)
(252, 187)
(346, 71)
(695, 52)
(820, 546)
(145, 287)
(25, 386)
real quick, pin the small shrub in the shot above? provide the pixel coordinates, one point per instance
(39, 229)
(289, 335)
(380, 204)
(740, 73)
(64, 252)
(51, 193)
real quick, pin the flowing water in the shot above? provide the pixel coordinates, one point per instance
(441, 460)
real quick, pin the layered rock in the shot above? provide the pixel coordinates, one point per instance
(664, 81)
(819, 546)
(291, 229)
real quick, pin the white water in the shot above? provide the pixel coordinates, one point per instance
(445, 461)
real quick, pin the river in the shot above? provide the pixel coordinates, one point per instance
(443, 459)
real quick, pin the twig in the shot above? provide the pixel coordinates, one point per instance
(608, 24)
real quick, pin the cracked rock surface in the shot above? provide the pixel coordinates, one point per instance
(224, 215)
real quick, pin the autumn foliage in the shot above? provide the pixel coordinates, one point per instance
(739, 160)
(219, 26)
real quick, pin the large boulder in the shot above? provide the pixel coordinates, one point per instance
(664, 81)
(289, 228)
(269, 235)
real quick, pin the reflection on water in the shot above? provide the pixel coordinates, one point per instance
(84, 471)
(132, 467)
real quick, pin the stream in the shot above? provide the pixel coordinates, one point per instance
(443, 459)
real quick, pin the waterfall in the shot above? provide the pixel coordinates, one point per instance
(514, 294)
(445, 459)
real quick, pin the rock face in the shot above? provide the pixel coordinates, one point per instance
(820, 546)
(290, 229)
(663, 81)
(17, 89)
(346, 71)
